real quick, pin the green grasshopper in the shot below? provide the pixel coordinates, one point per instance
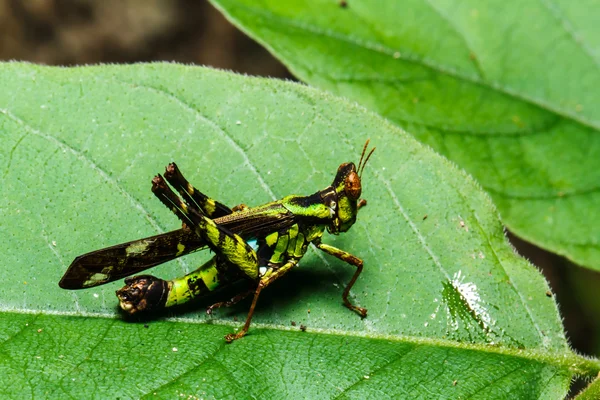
(258, 245)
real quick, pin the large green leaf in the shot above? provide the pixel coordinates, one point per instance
(453, 312)
(506, 89)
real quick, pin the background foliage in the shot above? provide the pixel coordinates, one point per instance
(503, 90)
(481, 119)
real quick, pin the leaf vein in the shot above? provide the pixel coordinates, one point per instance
(569, 29)
(552, 196)
(86, 160)
(459, 34)
(382, 49)
(513, 285)
(19, 332)
(224, 134)
(12, 152)
(91, 351)
(393, 360)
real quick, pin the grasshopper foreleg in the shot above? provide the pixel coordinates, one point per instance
(352, 260)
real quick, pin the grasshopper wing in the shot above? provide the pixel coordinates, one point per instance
(116, 262)
(125, 259)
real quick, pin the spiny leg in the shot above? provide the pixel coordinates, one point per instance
(166, 196)
(230, 247)
(264, 282)
(352, 260)
(147, 292)
(209, 207)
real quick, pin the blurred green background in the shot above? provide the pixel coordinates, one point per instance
(78, 32)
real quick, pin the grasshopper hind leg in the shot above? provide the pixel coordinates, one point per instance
(209, 207)
(263, 283)
(228, 246)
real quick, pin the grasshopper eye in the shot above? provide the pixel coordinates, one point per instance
(352, 185)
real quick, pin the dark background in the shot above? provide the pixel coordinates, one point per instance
(78, 32)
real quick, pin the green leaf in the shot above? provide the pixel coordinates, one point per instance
(506, 90)
(453, 311)
(591, 392)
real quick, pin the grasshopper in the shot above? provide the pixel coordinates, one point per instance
(258, 244)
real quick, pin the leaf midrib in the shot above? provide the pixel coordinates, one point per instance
(568, 360)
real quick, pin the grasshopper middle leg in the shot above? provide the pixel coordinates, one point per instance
(264, 282)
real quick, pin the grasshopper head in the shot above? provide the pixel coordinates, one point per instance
(347, 185)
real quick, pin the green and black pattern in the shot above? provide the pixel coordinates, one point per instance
(258, 244)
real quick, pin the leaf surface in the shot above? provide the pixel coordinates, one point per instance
(506, 90)
(453, 312)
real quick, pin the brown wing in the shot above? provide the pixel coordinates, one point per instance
(116, 262)
(258, 222)
(119, 261)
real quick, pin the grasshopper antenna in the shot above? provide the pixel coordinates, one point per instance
(361, 165)
(363, 154)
